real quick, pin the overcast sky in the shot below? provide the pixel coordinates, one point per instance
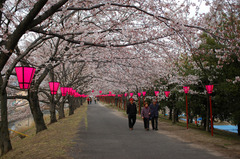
(202, 6)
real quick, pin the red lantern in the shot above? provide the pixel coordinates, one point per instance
(100, 92)
(64, 91)
(76, 94)
(125, 94)
(186, 89)
(139, 94)
(209, 88)
(73, 92)
(69, 90)
(156, 93)
(131, 94)
(167, 93)
(25, 76)
(54, 87)
(143, 93)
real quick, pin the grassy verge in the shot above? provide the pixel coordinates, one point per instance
(217, 133)
(50, 143)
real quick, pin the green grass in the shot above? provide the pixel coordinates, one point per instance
(50, 143)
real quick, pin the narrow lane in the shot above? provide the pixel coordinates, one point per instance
(106, 135)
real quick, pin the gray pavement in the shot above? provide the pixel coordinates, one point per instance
(105, 135)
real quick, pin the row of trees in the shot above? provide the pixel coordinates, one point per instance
(120, 45)
(215, 61)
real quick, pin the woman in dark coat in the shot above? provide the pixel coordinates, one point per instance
(131, 111)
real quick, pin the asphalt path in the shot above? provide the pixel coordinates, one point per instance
(105, 135)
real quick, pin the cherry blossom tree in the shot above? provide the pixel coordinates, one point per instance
(117, 42)
(13, 27)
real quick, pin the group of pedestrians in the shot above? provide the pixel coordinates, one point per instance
(148, 113)
(89, 100)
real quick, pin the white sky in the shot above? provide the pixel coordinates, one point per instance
(201, 5)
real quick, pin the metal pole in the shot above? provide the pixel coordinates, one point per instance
(211, 115)
(187, 110)
(125, 102)
(121, 102)
(139, 110)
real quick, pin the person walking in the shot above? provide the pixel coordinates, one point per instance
(88, 100)
(154, 108)
(145, 114)
(95, 100)
(131, 111)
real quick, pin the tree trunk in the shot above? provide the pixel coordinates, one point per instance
(170, 114)
(53, 117)
(5, 142)
(174, 116)
(207, 119)
(74, 103)
(177, 112)
(191, 118)
(79, 103)
(71, 111)
(238, 128)
(61, 111)
(36, 111)
(204, 123)
(71, 108)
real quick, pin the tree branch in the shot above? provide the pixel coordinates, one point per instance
(47, 14)
(17, 97)
(38, 30)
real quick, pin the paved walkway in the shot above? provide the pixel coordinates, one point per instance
(106, 136)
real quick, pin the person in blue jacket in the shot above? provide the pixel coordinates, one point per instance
(154, 108)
